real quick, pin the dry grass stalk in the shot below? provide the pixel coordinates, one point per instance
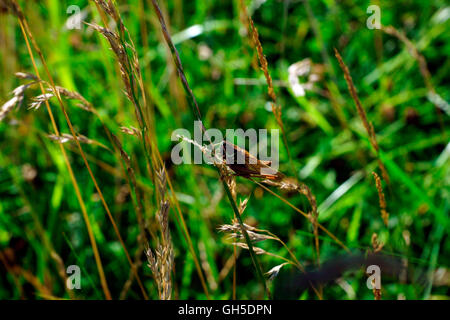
(243, 18)
(176, 58)
(276, 108)
(333, 95)
(40, 99)
(123, 46)
(256, 249)
(18, 94)
(304, 68)
(315, 26)
(376, 292)
(132, 131)
(230, 180)
(251, 166)
(128, 60)
(137, 263)
(321, 227)
(242, 205)
(377, 246)
(221, 168)
(65, 137)
(433, 96)
(261, 251)
(110, 9)
(143, 116)
(161, 261)
(11, 7)
(27, 34)
(276, 178)
(289, 184)
(122, 58)
(382, 200)
(17, 272)
(273, 273)
(15, 101)
(137, 200)
(362, 114)
(25, 76)
(84, 104)
(134, 190)
(229, 264)
(180, 220)
(414, 53)
(234, 232)
(58, 92)
(30, 173)
(206, 266)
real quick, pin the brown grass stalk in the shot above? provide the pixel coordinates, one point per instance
(161, 260)
(321, 227)
(276, 108)
(376, 247)
(289, 184)
(424, 71)
(39, 229)
(382, 200)
(131, 70)
(16, 271)
(197, 113)
(362, 114)
(423, 67)
(25, 31)
(182, 222)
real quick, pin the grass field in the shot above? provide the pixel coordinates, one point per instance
(90, 194)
